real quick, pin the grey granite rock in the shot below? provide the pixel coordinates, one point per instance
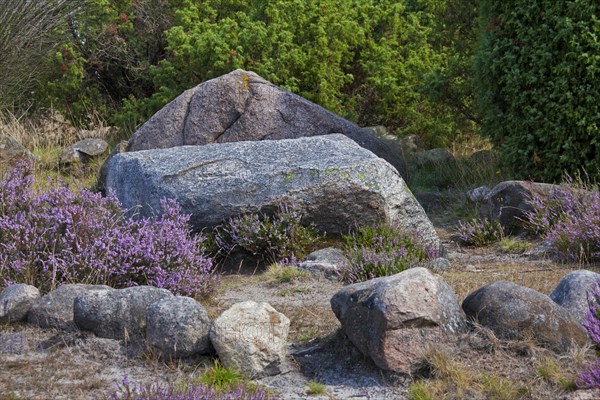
(393, 319)
(16, 301)
(335, 182)
(242, 106)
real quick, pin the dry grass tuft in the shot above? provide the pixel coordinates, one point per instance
(283, 273)
(450, 375)
(500, 388)
(46, 136)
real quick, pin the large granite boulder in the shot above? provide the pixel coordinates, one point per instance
(573, 290)
(509, 202)
(121, 147)
(394, 319)
(242, 106)
(251, 338)
(333, 180)
(117, 313)
(16, 301)
(55, 309)
(178, 327)
(515, 312)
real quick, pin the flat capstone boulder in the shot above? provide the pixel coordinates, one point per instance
(178, 327)
(394, 319)
(334, 181)
(515, 312)
(118, 314)
(16, 301)
(242, 106)
(251, 338)
(83, 150)
(55, 309)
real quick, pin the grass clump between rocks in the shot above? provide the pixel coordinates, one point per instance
(315, 388)
(382, 250)
(221, 378)
(284, 273)
(58, 235)
(448, 377)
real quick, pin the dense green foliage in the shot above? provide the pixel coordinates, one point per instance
(374, 62)
(538, 69)
(361, 59)
(525, 73)
(105, 54)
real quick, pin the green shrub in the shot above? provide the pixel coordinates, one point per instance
(383, 62)
(537, 67)
(105, 55)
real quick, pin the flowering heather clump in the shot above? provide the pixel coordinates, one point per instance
(277, 238)
(569, 219)
(129, 391)
(479, 232)
(383, 250)
(590, 377)
(60, 236)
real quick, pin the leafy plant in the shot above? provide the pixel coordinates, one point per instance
(479, 232)
(280, 237)
(54, 236)
(105, 55)
(569, 219)
(399, 63)
(382, 250)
